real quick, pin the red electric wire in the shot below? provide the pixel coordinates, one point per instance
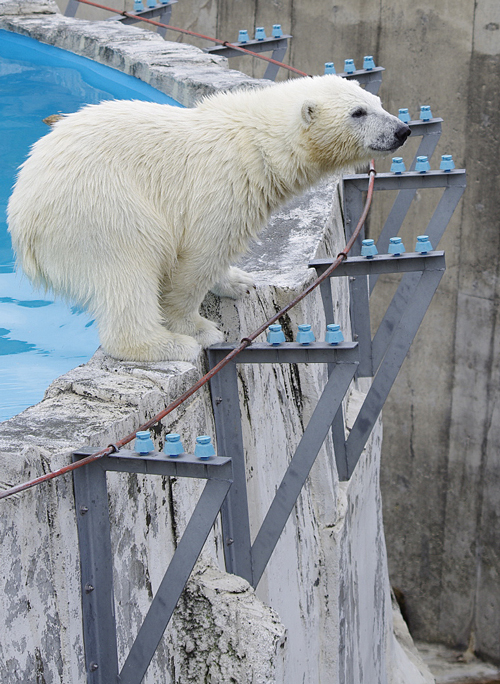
(196, 35)
(247, 341)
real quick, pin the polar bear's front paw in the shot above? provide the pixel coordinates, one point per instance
(235, 284)
(207, 333)
(181, 348)
(162, 346)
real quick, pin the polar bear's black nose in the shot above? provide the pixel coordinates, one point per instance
(402, 133)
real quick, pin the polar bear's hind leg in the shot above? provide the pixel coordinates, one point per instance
(131, 325)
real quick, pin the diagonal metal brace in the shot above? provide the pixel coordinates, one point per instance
(421, 276)
(242, 558)
(394, 356)
(174, 581)
(298, 470)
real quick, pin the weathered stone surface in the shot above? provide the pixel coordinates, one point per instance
(210, 648)
(19, 7)
(183, 71)
(327, 579)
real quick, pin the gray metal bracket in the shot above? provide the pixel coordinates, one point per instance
(71, 8)
(383, 357)
(278, 47)
(430, 132)
(162, 12)
(242, 557)
(452, 182)
(96, 560)
(370, 78)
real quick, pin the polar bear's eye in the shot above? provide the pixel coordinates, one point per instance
(358, 113)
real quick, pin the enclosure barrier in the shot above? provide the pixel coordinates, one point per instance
(370, 76)
(225, 491)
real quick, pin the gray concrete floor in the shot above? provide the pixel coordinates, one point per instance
(449, 666)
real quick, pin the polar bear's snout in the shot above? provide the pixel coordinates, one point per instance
(402, 133)
(391, 139)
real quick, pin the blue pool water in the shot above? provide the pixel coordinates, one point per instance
(41, 338)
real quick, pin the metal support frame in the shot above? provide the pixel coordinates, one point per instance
(430, 132)
(278, 47)
(453, 183)
(94, 538)
(243, 557)
(370, 78)
(383, 357)
(380, 358)
(162, 11)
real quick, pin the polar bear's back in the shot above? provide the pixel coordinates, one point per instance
(87, 173)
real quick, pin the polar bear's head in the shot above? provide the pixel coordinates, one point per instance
(302, 128)
(344, 125)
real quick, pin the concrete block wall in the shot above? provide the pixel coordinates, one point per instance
(441, 441)
(322, 613)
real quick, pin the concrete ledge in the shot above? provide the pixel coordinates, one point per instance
(184, 72)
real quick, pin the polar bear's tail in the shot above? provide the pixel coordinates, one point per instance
(52, 119)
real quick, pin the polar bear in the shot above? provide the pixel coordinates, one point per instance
(136, 209)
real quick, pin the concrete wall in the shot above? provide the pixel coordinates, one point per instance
(322, 612)
(441, 462)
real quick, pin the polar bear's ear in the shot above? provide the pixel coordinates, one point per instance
(308, 111)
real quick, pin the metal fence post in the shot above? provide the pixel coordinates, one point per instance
(234, 512)
(96, 562)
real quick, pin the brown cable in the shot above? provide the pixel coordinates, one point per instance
(196, 35)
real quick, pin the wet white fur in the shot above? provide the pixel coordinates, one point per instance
(136, 209)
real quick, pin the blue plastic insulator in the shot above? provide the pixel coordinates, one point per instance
(277, 32)
(368, 63)
(368, 248)
(447, 163)
(404, 115)
(349, 67)
(173, 445)
(396, 246)
(260, 33)
(422, 165)
(275, 334)
(204, 448)
(164, 2)
(151, 3)
(333, 334)
(143, 442)
(138, 6)
(330, 68)
(423, 244)
(425, 113)
(243, 36)
(398, 165)
(305, 335)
